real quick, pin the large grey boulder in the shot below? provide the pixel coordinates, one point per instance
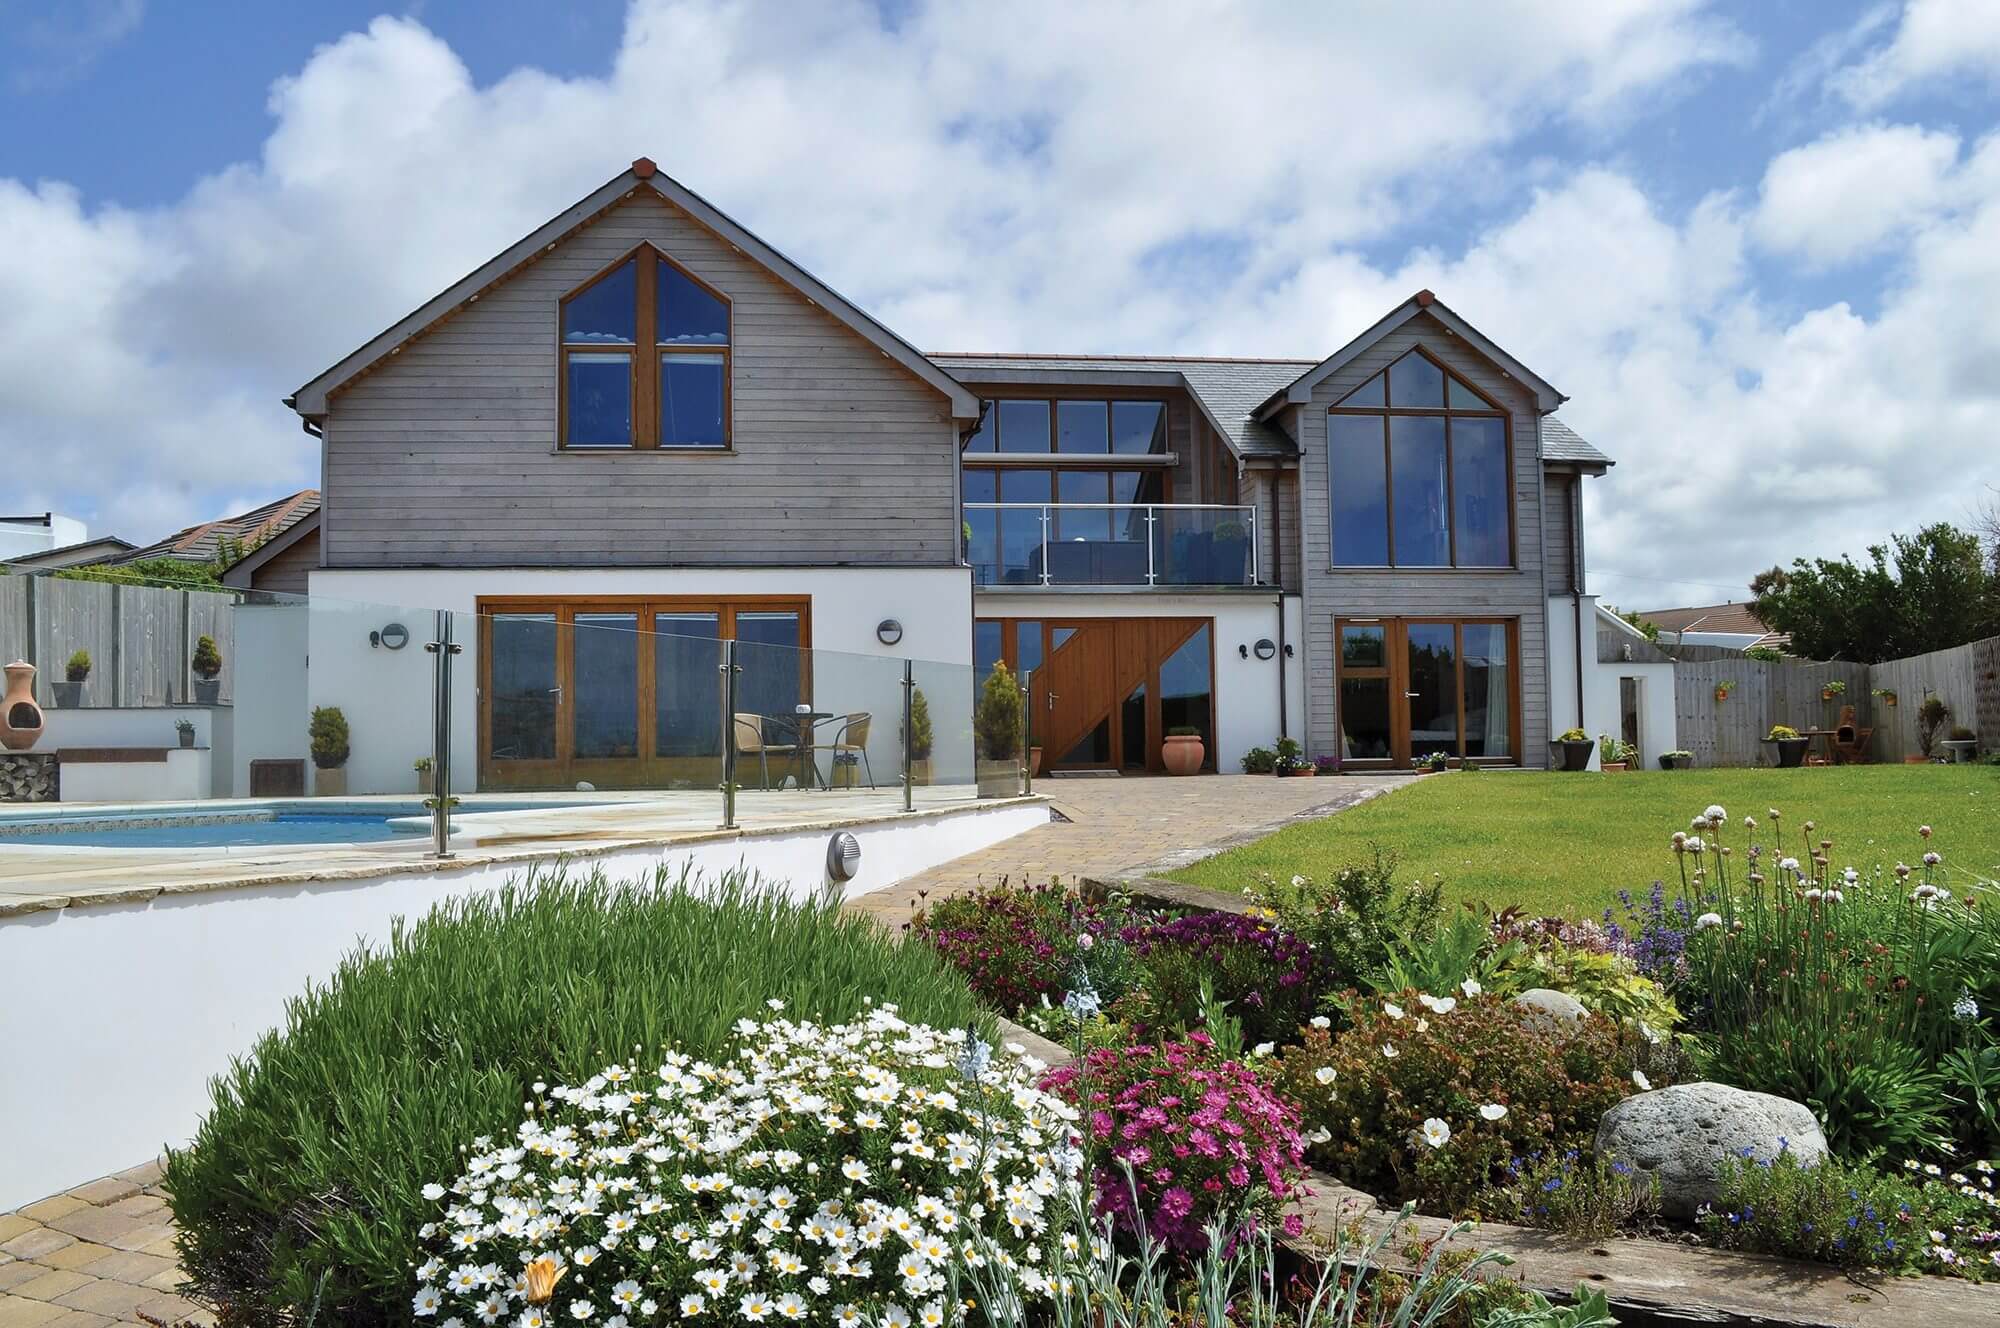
(1555, 1012)
(1682, 1135)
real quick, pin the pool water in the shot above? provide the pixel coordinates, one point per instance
(244, 828)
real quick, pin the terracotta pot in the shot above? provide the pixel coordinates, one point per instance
(1183, 754)
(1916, 758)
(1034, 763)
(1721, 695)
(20, 717)
(1296, 772)
(1613, 767)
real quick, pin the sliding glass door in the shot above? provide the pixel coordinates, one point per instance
(1409, 688)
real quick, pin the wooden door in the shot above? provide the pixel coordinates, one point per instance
(1074, 695)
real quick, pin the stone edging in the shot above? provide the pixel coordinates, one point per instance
(1649, 1282)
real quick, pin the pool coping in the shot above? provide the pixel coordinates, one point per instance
(547, 848)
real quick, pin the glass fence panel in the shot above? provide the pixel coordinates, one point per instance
(1110, 544)
(1205, 546)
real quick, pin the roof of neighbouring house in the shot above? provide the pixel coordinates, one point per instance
(91, 550)
(203, 543)
(1228, 391)
(1733, 617)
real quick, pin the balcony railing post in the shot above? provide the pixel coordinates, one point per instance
(1256, 551)
(1152, 536)
(1045, 546)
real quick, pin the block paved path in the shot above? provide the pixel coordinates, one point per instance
(103, 1252)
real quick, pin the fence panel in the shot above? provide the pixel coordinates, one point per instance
(139, 637)
(1952, 674)
(1730, 731)
(214, 615)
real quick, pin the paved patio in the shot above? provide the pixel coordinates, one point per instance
(103, 1253)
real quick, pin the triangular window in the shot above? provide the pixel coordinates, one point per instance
(1370, 393)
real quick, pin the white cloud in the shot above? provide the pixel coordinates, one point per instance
(1853, 191)
(1936, 42)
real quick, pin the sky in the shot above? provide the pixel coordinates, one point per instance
(1756, 244)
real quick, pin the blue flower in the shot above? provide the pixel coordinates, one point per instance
(1551, 1184)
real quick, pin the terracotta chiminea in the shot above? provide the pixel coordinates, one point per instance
(20, 717)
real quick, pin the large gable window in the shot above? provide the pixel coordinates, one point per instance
(667, 390)
(1418, 465)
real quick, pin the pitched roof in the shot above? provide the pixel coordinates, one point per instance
(92, 550)
(310, 400)
(1228, 391)
(1547, 398)
(203, 543)
(1563, 445)
(1738, 618)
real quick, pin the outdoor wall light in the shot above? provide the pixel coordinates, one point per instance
(394, 637)
(1242, 651)
(1267, 648)
(888, 631)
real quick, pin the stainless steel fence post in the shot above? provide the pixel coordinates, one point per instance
(441, 650)
(909, 735)
(1027, 717)
(730, 670)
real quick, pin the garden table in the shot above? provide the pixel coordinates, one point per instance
(802, 722)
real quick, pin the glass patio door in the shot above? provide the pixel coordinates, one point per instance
(524, 696)
(1408, 688)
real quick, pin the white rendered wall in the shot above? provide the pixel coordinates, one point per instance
(180, 775)
(1658, 729)
(18, 539)
(1246, 690)
(237, 955)
(271, 708)
(386, 694)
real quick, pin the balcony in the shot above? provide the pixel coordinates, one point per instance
(1146, 545)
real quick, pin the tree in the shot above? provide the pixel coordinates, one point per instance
(1938, 593)
(1647, 627)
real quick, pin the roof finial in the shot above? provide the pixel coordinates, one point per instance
(644, 168)
(1425, 299)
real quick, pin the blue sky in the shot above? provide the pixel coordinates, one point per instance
(1727, 230)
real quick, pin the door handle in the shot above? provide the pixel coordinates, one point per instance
(1413, 695)
(556, 692)
(1052, 700)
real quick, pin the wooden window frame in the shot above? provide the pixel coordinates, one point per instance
(648, 354)
(1389, 411)
(1395, 670)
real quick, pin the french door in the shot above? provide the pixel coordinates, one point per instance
(627, 693)
(1409, 688)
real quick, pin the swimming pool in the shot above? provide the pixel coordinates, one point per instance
(238, 827)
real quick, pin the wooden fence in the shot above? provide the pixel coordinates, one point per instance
(1791, 691)
(141, 638)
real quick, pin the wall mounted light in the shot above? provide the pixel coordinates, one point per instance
(1266, 648)
(1242, 652)
(888, 631)
(1289, 652)
(393, 636)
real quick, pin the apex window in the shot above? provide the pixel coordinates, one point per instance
(1419, 468)
(645, 359)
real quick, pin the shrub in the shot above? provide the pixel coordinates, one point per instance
(1859, 1218)
(1572, 735)
(304, 1183)
(921, 738)
(1259, 761)
(1202, 1136)
(1932, 712)
(77, 668)
(766, 1207)
(1583, 1197)
(998, 722)
(1356, 919)
(1018, 945)
(1429, 1098)
(327, 733)
(1781, 733)
(207, 661)
(1266, 976)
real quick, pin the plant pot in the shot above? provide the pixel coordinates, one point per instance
(1613, 767)
(1035, 762)
(69, 695)
(186, 736)
(1791, 751)
(1721, 695)
(1675, 762)
(1576, 753)
(1916, 758)
(426, 782)
(1296, 772)
(330, 781)
(1183, 754)
(20, 717)
(208, 691)
(920, 772)
(999, 779)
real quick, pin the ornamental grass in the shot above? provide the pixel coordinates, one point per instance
(302, 1194)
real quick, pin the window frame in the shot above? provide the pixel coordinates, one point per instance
(1446, 412)
(648, 355)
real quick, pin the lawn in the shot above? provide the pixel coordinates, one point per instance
(1567, 843)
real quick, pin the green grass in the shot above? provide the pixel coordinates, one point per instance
(1567, 843)
(304, 1183)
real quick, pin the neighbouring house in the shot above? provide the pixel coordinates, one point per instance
(1732, 626)
(641, 431)
(47, 542)
(226, 540)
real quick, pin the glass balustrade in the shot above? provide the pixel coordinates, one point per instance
(1111, 544)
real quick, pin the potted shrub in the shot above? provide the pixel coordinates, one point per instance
(1962, 745)
(1260, 761)
(1791, 747)
(207, 666)
(1227, 554)
(1828, 691)
(1887, 695)
(1724, 688)
(1576, 748)
(328, 736)
(1676, 760)
(184, 729)
(1931, 716)
(69, 692)
(996, 726)
(1432, 763)
(920, 737)
(1613, 755)
(1291, 761)
(422, 765)
(1182, 753)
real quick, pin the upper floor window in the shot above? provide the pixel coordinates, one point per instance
(645, 359)
(1073, 428)
(1419, 468)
